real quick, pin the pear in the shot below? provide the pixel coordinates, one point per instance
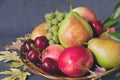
(106, 52)
(74, 30)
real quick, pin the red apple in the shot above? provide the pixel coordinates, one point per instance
(52, 51)
(75, 61)
(86, 13)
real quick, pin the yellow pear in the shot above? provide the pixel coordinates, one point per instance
(38, 31)
(106, 52)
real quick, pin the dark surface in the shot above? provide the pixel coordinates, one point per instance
(19, 17)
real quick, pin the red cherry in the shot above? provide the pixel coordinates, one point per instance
(49, 65)
(34, 56)
(26, 47)
(41, 42)
(97, 27)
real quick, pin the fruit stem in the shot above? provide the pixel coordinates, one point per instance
(84, 43)
(57, 9)
(33, 47)
(71, 4)
(44, 51)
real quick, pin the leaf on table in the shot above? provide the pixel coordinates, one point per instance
(14, 46)
(14, 74)
(25, 37)
(9, 56)
(14, 64)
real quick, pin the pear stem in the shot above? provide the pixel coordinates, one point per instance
(71, 4)
(84, 43)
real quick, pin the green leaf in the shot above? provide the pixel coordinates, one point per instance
(9, 56)
(114, 19)
(115, 36)
(110, 22)
(116, 11)
(14, 74)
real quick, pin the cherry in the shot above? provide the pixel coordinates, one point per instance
(97, 27)
(26, 47)
(34, 56)
(41, 42)
(49, 65)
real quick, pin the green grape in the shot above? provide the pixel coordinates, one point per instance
(49, 36)
(57, 12)
(54, 38)
(50, 30)
(60, 16)
(49, 16)
(57, 41)
(47, 26)
(55, 28)
(55, 32)
(51, 42)
(55, 21)
(59, 24)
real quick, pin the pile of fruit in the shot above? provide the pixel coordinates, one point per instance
(72, 43)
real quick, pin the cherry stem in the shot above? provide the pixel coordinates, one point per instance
(33, 47)
(44, 51)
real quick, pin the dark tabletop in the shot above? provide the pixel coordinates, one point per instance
(19, 17)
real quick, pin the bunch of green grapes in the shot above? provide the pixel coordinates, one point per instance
(53, 21)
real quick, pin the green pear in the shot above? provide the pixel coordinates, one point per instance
(106, 52)
(74, 30)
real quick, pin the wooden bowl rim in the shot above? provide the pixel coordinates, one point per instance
(39, 71)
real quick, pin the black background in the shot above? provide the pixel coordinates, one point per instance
(19, 17)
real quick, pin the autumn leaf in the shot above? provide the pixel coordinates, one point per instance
(14, 64)
(14, 74)
(25, 37)
(17, 44)
(14, 46)
(9, 56)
